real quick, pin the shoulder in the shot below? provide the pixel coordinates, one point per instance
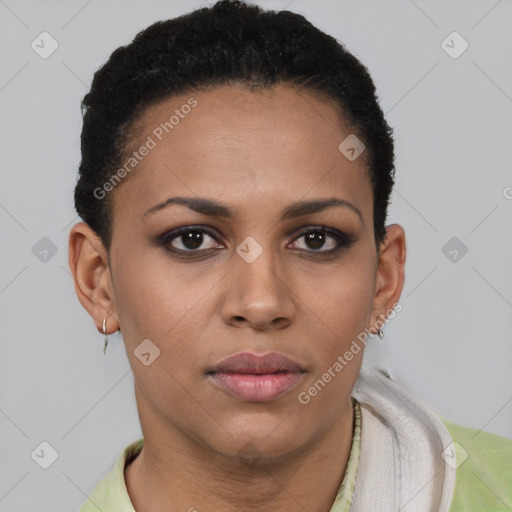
(111, 494)
(96, 501)
(483, 462)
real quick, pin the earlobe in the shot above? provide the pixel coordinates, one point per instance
(88, 261)
(390, 275)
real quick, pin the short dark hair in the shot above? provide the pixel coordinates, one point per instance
(230, 42)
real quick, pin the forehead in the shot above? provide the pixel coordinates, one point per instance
(279, 145)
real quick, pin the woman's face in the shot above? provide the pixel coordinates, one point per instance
(263, 278)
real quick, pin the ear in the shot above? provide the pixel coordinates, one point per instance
(88, 261)
(390, 275)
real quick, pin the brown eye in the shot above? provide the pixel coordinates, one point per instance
(189, 239)
(316, 240)
(322, 240)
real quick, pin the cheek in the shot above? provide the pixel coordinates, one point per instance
(153, 296)
(342, 320)
(158, 302)
(342, 304)
(343, 312)
(340, 297)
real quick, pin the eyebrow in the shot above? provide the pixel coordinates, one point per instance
(214, 208)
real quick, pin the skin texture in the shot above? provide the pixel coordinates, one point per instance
(257, 152)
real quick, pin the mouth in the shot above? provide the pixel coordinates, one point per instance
(256, 378)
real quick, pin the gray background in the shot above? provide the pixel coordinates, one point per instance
(452, 117)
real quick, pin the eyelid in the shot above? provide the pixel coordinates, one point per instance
(172, 234)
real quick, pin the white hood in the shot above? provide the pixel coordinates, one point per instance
(401, 466)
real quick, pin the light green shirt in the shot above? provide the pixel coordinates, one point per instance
(483, 479)
(111, 494)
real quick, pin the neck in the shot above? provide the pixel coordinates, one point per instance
(183, 476)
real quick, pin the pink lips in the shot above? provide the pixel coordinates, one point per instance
(256, 378)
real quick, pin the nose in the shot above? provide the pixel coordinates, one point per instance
(258, 295)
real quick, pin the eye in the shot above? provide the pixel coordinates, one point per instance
(322, 240)
(198, 240)
(190, 239)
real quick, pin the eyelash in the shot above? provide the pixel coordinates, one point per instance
(342, 240)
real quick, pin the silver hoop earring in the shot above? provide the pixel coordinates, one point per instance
(380, 334)
(106, 336)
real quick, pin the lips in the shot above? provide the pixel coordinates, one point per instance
(246, 362)
(256, 378)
